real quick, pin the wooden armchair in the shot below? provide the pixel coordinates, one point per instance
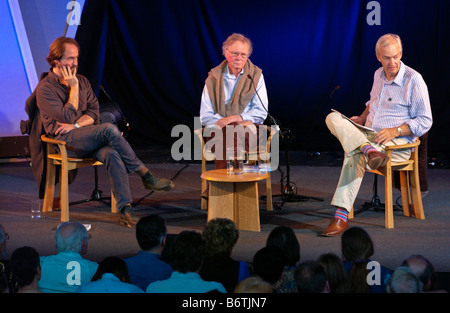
(209, 156)
(66, 164)
(409, 184)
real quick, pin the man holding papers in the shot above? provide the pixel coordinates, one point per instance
(398, 111)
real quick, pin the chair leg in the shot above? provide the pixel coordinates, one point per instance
(269, 205)
(64, 194)
(351, 214)
(114, 208)
(404, 188)
(389, 209)
(204, 202)
(50, 180)
(417, 197)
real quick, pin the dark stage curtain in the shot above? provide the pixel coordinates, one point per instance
(153, 57)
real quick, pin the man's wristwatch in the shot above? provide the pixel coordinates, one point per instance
(76, 125)
(399, 129)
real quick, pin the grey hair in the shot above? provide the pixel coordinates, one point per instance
(237, 37)
(403, 281)
(69, 237)
(386, 40)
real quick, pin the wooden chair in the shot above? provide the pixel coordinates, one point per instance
(66, 164)
(409, 184)
(209, 156)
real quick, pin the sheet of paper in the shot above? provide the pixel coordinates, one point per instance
(356, 124)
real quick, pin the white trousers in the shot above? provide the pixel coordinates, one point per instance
(355, 162)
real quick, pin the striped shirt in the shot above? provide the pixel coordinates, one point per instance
(403, 100)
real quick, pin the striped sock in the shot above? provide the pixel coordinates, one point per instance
(341, 214)
(366, 148)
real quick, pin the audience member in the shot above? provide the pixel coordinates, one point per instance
(424, 270)
(166, 251)
(147, 266)
(4, 285)
(26, 270)
(284, 238)
(67, 270)
(310, 277)
(253, 284)
(268, 263)
(403, 280)
(187, 255)
(5, 272)
(3, 237)
(357, 248)
(220, 237)
(111, 277)
(336, 275)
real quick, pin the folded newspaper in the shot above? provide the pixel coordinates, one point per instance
(356, 124)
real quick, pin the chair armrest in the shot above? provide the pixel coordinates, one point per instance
(405, 146)
(44, 138)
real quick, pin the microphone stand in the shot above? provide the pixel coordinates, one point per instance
(287, 192)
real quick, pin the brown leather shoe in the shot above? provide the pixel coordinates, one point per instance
(377, 159)
(156, 183)
(336, 227)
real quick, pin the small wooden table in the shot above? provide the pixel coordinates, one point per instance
(234, 196)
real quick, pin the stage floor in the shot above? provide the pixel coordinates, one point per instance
(181, 210)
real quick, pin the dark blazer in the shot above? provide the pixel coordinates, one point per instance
(34, 128)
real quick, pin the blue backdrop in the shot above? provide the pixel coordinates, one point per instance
(152, 57)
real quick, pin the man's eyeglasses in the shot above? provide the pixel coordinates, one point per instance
(236, 54)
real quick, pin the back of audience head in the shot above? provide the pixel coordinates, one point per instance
(335, 271)
(72, 237)
(284, 238)
(151, 232)
(188, 252)
(220, 235)
(357, 247)
(403, 280)
(25, 266)
(310, 277)
(253, 284)
(268, 263)
(424, 270)
(113, 265)
(4, 285)
(3, 238)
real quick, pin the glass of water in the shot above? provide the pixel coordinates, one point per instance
(36, 208)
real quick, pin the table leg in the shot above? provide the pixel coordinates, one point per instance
(221, 200)
(247, 206)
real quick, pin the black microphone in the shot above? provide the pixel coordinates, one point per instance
(122, 124)
(331, 95)
(268, 114)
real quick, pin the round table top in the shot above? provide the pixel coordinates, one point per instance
(221, 175)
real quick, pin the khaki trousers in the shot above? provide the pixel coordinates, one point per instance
(351, 138)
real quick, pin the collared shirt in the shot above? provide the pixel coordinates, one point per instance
(253, 112)
(52, 100)
(65, 272)
(109, 283)
(403, 100)
(185, 283)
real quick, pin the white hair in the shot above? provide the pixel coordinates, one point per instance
(387, 40)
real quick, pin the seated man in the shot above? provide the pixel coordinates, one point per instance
(398, 111)
(69, 111)
(67, 270)
(234, 94)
